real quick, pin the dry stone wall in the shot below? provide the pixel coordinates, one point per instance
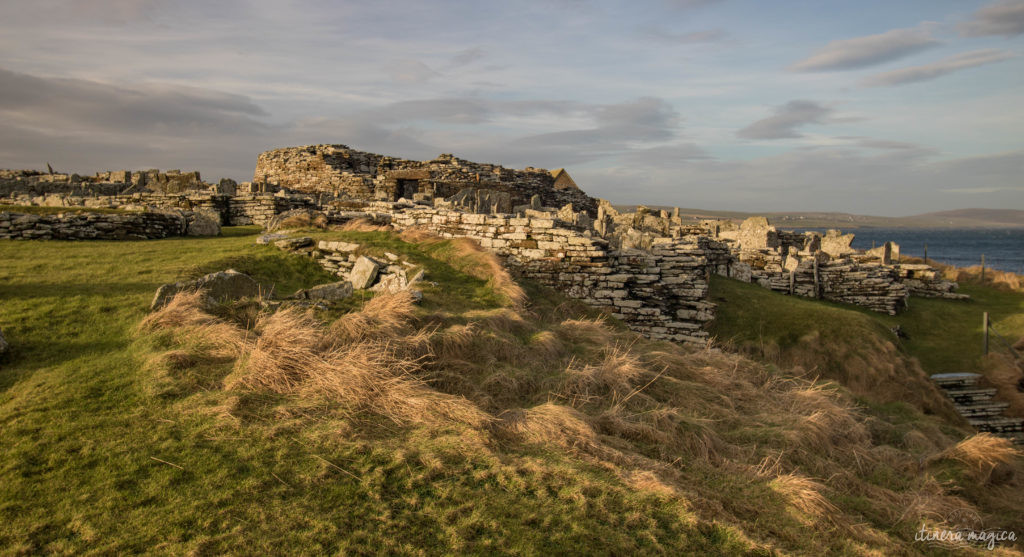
(661, 293)
(233, 210)
(92, 226)
(113, 182)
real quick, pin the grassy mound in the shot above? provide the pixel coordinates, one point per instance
(488, 419)
(857, 347)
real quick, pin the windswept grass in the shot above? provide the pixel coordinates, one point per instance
(468, 424)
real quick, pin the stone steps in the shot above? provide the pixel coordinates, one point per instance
(978, 405)
(955, 380)
(998, 424)
(971, 395)
(984, 409)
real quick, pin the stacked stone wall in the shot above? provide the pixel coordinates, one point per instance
(235, 210)
(661, 293)
(92, 226)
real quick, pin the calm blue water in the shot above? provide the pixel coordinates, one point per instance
(1003, 247)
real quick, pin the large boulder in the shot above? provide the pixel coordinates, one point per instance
(364, 272)
(220, 286)
(203, 223)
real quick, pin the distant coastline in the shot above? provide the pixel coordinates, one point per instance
(956, 219)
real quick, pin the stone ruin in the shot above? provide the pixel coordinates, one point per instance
(345, 173)
(825, 266)
(647, 268)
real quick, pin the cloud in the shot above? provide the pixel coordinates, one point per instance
(886, 182)
(77, 103)
(934, 70)
(690, 4)
(411, 72)
(466, 57)
(1005, 18)
(788, 117)
(690, 37)
(81, 123)
(469, 110)
(849, 54)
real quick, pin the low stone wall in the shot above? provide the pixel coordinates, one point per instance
(92, 226)
(237, 210)
(661, 293)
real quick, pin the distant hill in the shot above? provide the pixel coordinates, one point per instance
(959, 218)
(975, 217)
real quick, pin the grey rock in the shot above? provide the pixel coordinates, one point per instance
(4, 346)
(202, 223)
(391, 283)
(327, 292)
(291, 244)
(219, 286)
(364, 272)
(270, 238)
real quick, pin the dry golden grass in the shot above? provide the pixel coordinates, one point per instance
(193, 326)
(1005, 374)
(307, 220)
(611, 380)
(981, 453)
(995, 278)
(386, 315)
(592, 331)
(804, 494)
(549, 424)
(661, 417)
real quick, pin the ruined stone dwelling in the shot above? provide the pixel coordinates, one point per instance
(649, 269)
(338, 171)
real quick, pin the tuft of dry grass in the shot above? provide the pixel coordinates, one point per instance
(981, 453)
(1005, 374)
(549, 424)
(592, 331)
(184, 309)
(804, 494)
(186, 317)
(386, 315)
(306, 220)
(611, 380)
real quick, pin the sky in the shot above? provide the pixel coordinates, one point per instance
(873, 107)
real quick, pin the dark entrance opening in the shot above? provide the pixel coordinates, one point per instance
(406, 189)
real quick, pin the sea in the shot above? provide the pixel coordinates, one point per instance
(1003, 247)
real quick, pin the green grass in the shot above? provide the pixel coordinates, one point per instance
(95, 461)
(39, 210)
(944, 335)
(92, 463)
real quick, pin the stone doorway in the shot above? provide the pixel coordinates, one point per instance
(406, 188)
